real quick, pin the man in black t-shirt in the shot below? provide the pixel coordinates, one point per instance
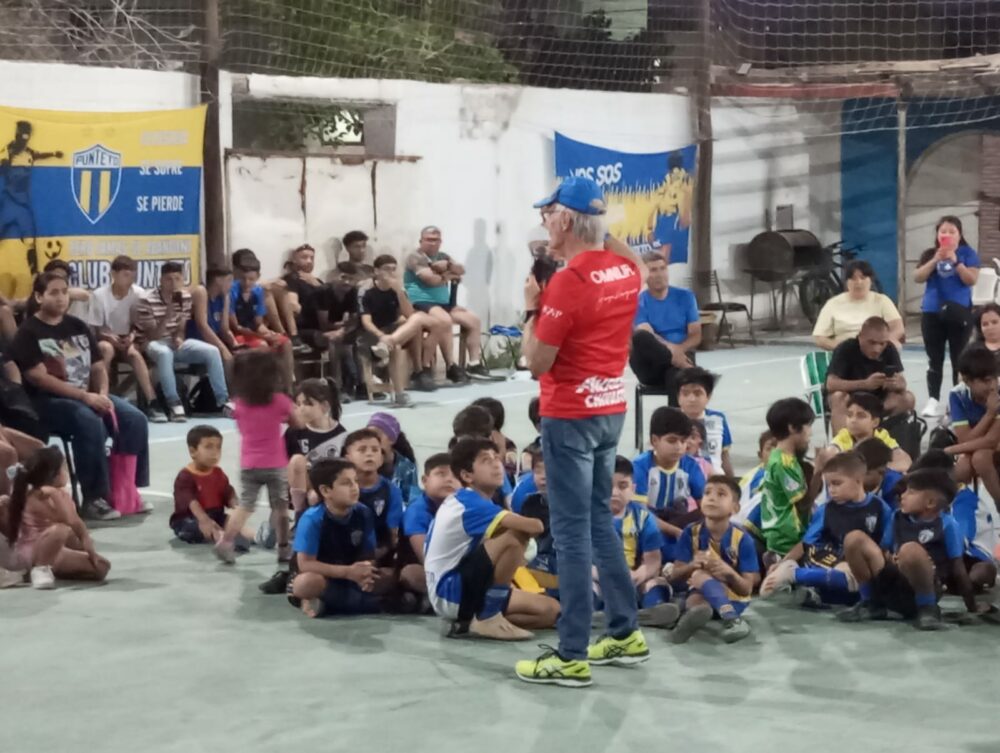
(296, 300)
(869, 363)
(390, 323)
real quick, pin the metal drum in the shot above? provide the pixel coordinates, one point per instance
(782, 254)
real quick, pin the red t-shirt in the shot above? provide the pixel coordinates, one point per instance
(587, 311)
(210, 489)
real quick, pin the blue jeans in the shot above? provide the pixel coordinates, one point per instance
(89, 437)
(579, 463)
(189, 352)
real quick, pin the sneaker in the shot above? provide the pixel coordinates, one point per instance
(929, 618)
(781, 578)
(381, 353)
(423, 381)
(99, 509)
(42, 578)
(863, 611)
(276, 584)
(225, 552)
(456, 374)
(155, 415)
(735, 630)
(932, 408)
(266, 537)
(300, 348)
(177, 414)
(498, 628)
(622, 652)
(660, 616)
(552, 669)
(691, 622)
(146, 507)
(12, 578)
(479, 371)
(227, 409)
(402, 400)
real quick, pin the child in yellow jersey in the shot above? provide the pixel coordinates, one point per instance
(864, 413)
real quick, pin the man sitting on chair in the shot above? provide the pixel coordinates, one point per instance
(666, 330)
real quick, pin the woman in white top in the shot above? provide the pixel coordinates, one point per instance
(842, 316)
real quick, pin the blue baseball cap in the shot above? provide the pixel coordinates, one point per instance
(579, 194)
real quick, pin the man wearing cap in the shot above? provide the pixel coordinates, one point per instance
(428, 279)
(576, 342)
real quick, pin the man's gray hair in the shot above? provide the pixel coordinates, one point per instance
(589, 228)
(651, 257)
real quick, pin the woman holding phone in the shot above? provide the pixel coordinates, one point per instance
(950, 270)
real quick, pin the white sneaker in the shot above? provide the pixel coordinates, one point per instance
(99, 509)
(146, 507)
(932, 409)
(781, 578)
(42, 578)
(12, 578)
(177, 414)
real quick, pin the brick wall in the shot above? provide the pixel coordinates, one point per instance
(989, 202)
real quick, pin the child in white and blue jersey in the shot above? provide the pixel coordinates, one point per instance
(666, 478)
(753, 479)
(473, 549)
(438, 484)
(694, 389)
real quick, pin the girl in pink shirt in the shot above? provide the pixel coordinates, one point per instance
(260, 411)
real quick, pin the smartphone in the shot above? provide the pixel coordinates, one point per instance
(891, 370)
(178, 296)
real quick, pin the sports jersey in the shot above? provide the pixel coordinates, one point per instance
(543, 567)
(247, 310)
(889, 490)
(831, 522)
(663, 488)
(525, 486)
(784, 485)
(419, 515)
(845, 442)
(404, 475)
(962, 409)
(976, 519)
(586, 312)
(717, 436)
(210, 489)
(940, 536)
(750, 487)
(638, 533)
(462, 522)
(315, 444)
(735, 548)
(336, 540)
(386, 504)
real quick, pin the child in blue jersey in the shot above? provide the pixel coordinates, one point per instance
(473, 549)
(642, 541)
(542, 567)
(864, 414)
(753, 479)
(879, 478)
(817, 562)
(695, 386)
(718, 562)
(364, 449)
(922, 547)
(333, 571)
(666, 478)
(439, 483)
(973, 406)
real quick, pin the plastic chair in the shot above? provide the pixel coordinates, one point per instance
(814, 367)
(985, 289)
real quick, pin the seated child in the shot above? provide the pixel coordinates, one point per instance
(973, 406)
(43, 528)
(534, 415)
(695, 387)
(880, 479)
(473, 550)
(786, 502)
(439, 483)
(333, 571)
(398, 462)
(642, 541)
(319, 435)
(202, 492)
(864, 412)
(476, 421)
(542, 567)
(818, 560)
(665, 478)
(695, 448)
(922, 548)
(499, 415)
(718, 562)
(754, 479)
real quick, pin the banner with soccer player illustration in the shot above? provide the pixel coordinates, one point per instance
(87, 187)
(649, 195)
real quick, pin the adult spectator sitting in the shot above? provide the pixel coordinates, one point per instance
(666, 330)
(356, 246)
(209, 320)
(295, 295)
(160, 321)
(842, 316)
(429, 275)
(63, 371)
(111, 316)
(868, 363)
(988, 329)
(339, 322)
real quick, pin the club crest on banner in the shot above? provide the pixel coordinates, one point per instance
(96, 176)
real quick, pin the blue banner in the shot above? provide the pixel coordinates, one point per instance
(649, 195)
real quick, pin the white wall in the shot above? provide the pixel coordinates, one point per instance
(485, 155)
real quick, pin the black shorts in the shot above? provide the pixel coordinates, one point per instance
(476, 573)
(426, 307)
(892, 590)
(821, 556)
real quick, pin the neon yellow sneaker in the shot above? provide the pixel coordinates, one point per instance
(623, 652)
(551, 669)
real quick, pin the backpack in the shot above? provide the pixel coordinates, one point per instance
(201, 398)
(908, 430)
(17, 411)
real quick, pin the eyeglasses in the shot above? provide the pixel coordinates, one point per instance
(546, 211)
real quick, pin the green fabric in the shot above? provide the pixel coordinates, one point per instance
(784, 485)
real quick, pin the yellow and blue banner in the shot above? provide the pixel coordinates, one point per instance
(649, 195)
(87, 187)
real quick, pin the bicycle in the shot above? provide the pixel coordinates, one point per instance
(823, 282)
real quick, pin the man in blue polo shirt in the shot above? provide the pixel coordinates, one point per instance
(666, 329)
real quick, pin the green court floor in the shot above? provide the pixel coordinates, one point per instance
(179, 653)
